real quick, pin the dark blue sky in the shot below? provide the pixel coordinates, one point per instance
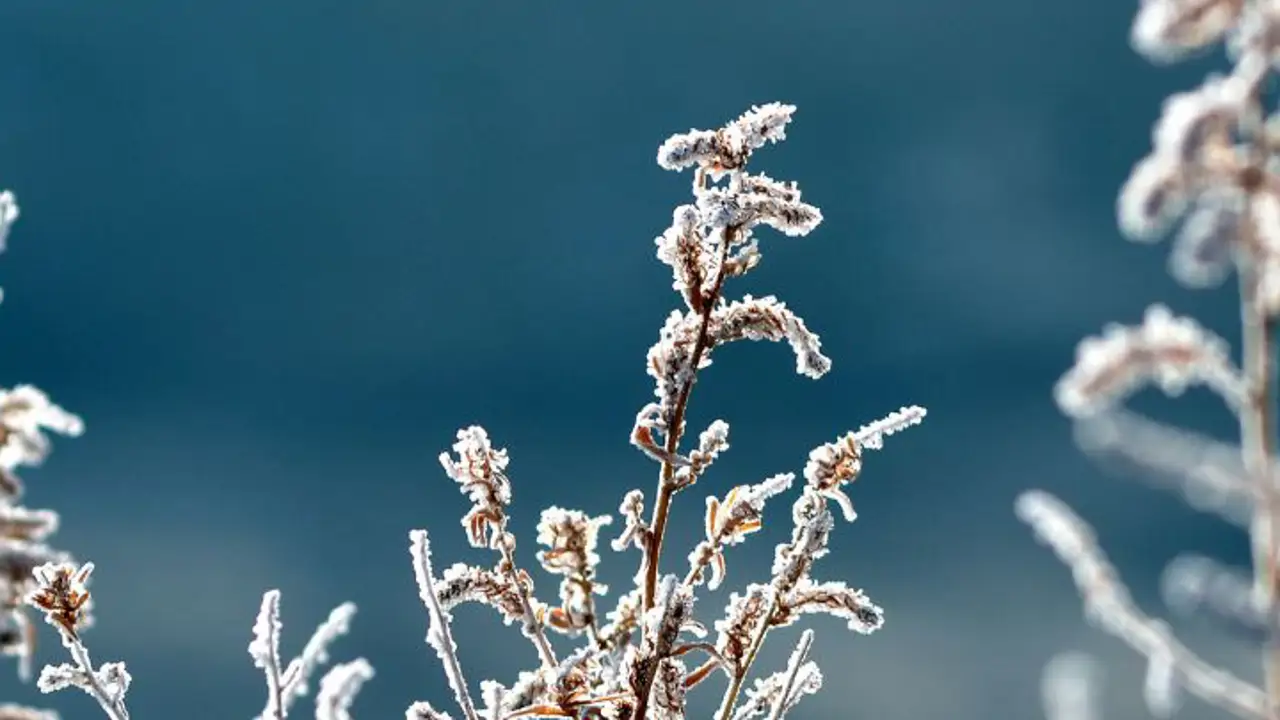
(276, 253)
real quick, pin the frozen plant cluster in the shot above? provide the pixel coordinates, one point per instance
(639, 656)
(1213, 175)
(32, 573)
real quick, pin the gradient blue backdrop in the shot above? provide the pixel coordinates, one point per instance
(276, 253)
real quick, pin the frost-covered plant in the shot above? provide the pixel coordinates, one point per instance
(34, 573)
(1214, 170)
(630, 665)
(633, 664)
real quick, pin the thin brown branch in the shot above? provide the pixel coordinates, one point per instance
(537, 634)
(666, 485)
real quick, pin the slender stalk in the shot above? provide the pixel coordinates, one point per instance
(735, 686)
(535, 630)
(1257, 432)
(666, 477)
(439, 636)
(593, 620)
(666, 486)
(112, 705)
(797, 661)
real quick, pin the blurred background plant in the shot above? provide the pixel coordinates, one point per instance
(1214, 173)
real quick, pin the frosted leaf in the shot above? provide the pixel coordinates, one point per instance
(10, 711)
(338, 689)
(423, 711)
(811, 530)
(20, 523)
(316, 651)
(1202, 251)
(731, 146)
(572, 537)
(1152, 198)
(60, 677)
(284, 686)
(729, 522)
(1189, 119)
(684, 150)
(871, 436)
(1193, 583)
(1172, 352)
(667, 694)
(463, 583)
(762, 124)
(768, 318)
(25, 412)
(711, 442)
(1167, 30)
(683, 247)
(833, 598)
(758, 201)
(838, 463)
(1256, 34)
(742, 620)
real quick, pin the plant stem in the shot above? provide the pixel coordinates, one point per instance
(666, 476)
(675, 424)
(1257, 433)
(111, 704)
(740, 674)
(535, 630)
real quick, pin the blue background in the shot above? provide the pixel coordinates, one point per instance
(277, 253)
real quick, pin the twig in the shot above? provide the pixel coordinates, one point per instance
(793, 670)
(666, 486)
(1109, 605)
(438, 633)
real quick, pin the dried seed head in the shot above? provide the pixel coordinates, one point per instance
(479, 470)
(571, 536)
(62, 595)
